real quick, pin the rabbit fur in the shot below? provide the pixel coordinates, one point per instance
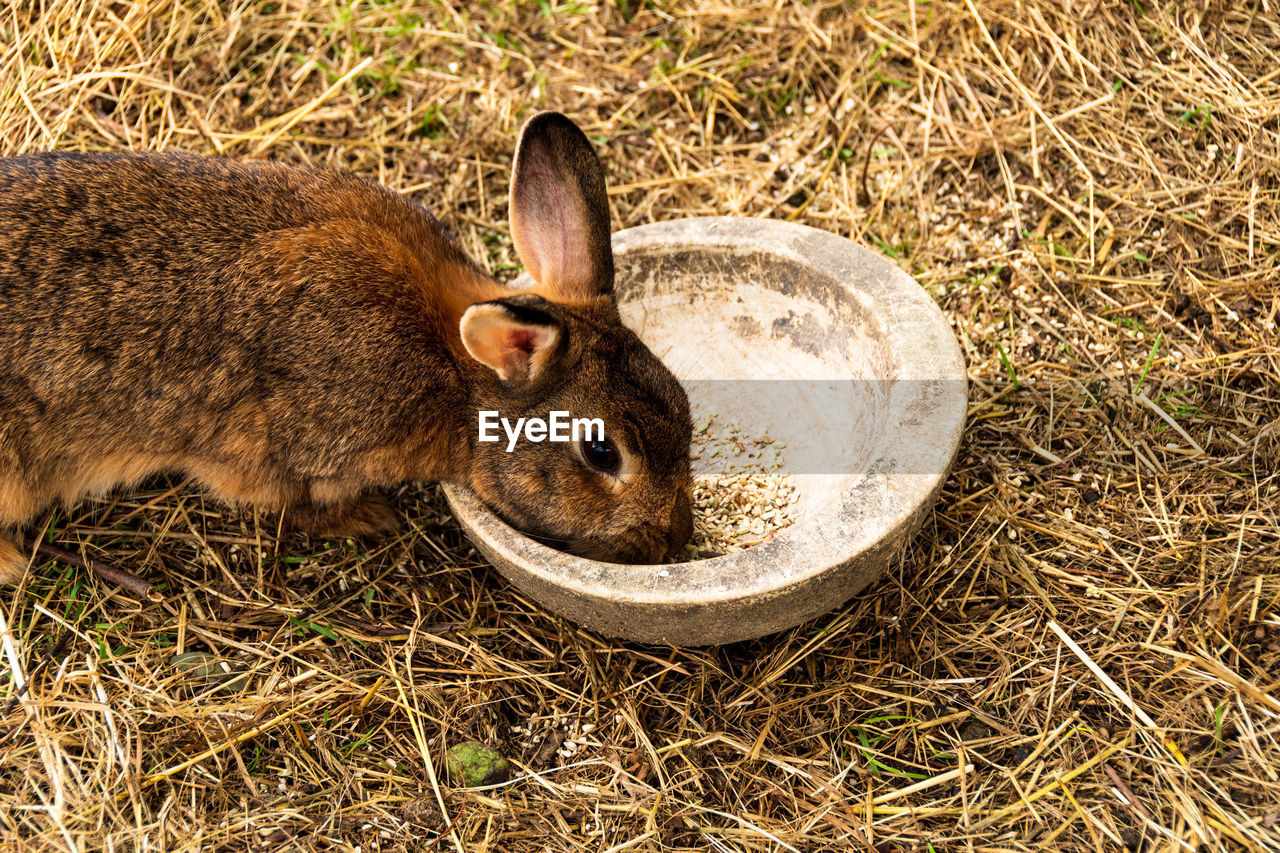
(300, 339)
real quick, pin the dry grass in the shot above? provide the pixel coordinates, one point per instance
(1079, 652)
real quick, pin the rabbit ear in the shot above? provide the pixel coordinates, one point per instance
(559, 210)
(513, 339)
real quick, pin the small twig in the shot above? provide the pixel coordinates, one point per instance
(866, 164)
(1123, 787)
(119, 577)
(462, 807)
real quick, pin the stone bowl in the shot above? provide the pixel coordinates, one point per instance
(820, 342)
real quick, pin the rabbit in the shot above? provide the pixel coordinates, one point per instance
(299, 340)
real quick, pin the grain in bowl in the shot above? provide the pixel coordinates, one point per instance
(745, 495)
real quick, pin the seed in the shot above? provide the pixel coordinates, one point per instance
(747, 499)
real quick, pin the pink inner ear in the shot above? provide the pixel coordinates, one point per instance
(555, 255)
(524, 340)
(552, 224)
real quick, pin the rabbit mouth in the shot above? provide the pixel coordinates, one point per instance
(641, 545)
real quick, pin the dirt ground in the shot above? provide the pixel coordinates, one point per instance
(1078, 652)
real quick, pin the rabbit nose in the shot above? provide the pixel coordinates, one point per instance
(681, 529)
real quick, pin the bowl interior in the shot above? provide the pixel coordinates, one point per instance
(772, 345)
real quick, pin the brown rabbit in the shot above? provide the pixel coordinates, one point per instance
(298, 339)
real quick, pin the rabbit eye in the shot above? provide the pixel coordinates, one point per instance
(601, 454)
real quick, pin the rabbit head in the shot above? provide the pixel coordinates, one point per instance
(623, 496)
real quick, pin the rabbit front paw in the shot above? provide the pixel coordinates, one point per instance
(13, 563)
(364, 515)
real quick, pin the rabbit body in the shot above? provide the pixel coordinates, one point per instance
(298, 339)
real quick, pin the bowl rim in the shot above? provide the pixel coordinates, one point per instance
(911, 318)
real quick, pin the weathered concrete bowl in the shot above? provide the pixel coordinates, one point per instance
(827, 346)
